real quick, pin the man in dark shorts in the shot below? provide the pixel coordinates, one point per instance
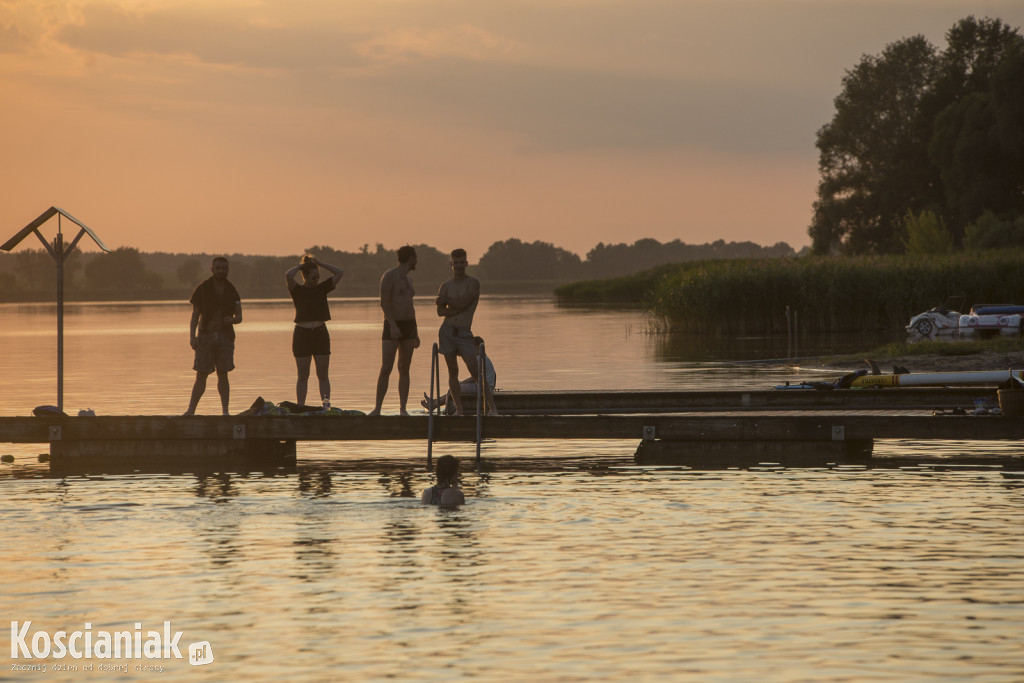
(400, 336)
(216, 309)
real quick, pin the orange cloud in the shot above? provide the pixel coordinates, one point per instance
(236, 125)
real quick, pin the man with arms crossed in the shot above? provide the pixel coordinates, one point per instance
(400, 336)
(456, 303)
(216, 309)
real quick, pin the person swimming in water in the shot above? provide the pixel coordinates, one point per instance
(446, 491)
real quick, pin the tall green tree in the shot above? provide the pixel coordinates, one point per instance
(975, 49)
(874, 153)
(915, 130)
(977, 142)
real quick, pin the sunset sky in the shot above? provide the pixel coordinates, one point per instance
(269, 126)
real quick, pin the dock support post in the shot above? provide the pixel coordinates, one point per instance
(435, 379)
(58, 249)
(481, 388)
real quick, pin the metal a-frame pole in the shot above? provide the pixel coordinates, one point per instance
(58, 251)
(60, 254)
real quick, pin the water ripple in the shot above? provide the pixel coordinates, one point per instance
(885, 575)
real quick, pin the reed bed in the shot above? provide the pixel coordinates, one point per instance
(826, 294)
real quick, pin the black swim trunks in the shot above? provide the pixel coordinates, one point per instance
(406, 327)
(311, 341)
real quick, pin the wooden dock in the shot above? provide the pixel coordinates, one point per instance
(625, 401)
(707, 429)
(699, 429)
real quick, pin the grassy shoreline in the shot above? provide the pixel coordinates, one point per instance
(998, 353)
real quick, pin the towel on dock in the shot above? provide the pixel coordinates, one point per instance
(262, 407)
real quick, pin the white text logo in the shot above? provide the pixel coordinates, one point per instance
(200, 653)
(131, 644)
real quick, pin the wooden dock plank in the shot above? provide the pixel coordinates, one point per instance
(743, 426)
(576, 402)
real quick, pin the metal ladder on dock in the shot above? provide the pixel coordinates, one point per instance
(435, 383)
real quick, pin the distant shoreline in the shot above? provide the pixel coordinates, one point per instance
(545, 288)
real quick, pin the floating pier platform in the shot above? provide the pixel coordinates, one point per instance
(705, 429)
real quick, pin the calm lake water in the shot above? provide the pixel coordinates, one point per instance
(334, 571)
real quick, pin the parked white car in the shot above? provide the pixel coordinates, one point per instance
(944, 319)
(1001, 318)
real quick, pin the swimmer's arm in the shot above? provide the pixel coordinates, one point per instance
(425, 497)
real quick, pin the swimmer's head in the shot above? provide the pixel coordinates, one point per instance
(447, 467)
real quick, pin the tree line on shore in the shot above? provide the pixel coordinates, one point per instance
(127, 273)
(925, 152)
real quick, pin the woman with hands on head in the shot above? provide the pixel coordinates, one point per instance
(310, 339)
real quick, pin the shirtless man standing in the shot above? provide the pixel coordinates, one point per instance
(400, 336)
(456, 303)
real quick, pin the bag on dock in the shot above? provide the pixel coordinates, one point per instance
(48, 411)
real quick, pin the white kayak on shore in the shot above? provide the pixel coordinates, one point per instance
(922, 379)
(938, 379)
